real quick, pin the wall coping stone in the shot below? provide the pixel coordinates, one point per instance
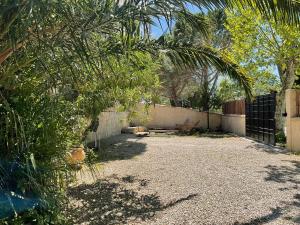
(234, 115)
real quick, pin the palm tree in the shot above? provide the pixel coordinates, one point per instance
(205, 75)
(66, 24)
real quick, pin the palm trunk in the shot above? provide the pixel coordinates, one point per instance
(206, 96)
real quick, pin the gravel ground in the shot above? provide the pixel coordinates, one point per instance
(190, 180)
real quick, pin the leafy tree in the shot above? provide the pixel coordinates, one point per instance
(198, 84)
(175, 81)
(56, 76)
(207, 78)
(228, 91)
(268, 51)
(63, 62)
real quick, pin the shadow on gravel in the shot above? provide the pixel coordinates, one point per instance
(284, 174)
(120, 147)
(115, 201)
(288, 175)
(288, 210)
(210, 134)
(296, 203)
(267, 148)
(275, 214)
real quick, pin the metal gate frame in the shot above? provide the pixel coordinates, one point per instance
(260, 118)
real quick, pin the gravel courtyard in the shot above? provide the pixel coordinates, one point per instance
(189, 180)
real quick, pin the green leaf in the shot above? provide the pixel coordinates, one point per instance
(32, 159)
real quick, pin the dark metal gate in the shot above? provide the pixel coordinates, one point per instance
(260, 118)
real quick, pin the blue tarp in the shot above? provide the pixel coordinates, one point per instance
(12, 199)
(11, 203)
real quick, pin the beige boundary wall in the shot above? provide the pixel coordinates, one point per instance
(168, 117)
(234, 124)
(293, 120)
(110, 124)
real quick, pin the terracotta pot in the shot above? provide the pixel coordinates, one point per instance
(76, 156)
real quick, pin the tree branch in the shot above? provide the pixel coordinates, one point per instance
(9, 51)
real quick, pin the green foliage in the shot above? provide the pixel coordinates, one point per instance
(51, 216)
(206, 97)
(62, 63)
(51, 119)
(199, 81)
(284, 12)
(228, 90)
(268, 51)
(261, 47)
(50, 90)
(280, 137)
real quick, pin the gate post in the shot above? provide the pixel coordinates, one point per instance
(293, 119)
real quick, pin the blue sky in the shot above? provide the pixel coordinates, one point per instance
(162, 26)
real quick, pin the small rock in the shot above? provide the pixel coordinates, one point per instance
(119, 214)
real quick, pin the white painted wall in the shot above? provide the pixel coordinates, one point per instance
(110, 124)
(234, 124)
(168, 117)
(293, 119)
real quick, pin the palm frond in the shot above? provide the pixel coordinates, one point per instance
(284, 11)
(191, 57)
